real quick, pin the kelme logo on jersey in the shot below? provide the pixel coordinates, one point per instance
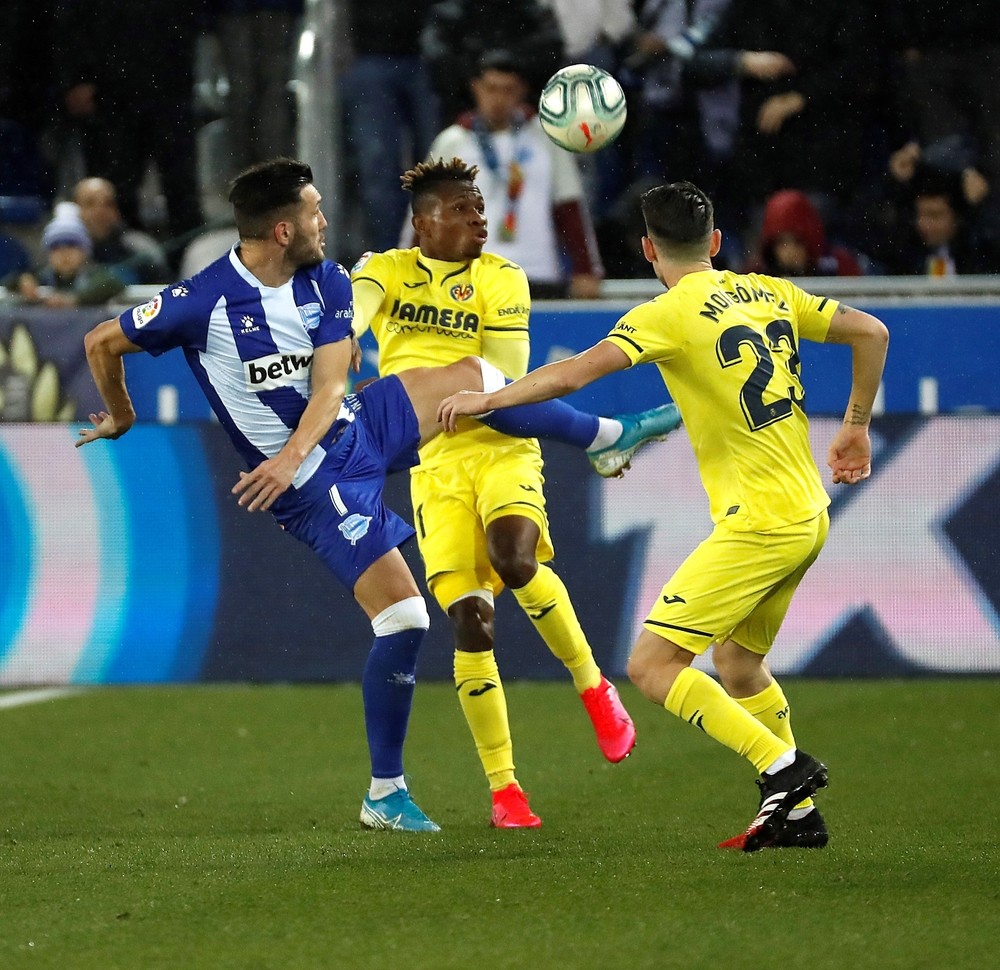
(141, 315)
(276, 370)
(462, 292)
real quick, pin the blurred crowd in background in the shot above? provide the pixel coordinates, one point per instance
(848, 138)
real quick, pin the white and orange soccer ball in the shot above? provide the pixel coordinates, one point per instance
(582, 108)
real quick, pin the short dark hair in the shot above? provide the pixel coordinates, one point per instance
(930, 182)
(425, 178)
(260, 193)
(499, 59)
(679, 218)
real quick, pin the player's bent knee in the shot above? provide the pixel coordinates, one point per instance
(637, 670)
(642, 672)
(472, 621)
(406, 614)
(516, 568)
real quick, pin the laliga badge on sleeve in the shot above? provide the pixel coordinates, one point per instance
(141, 315)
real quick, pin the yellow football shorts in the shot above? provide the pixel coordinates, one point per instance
(453, 504)
(737, 585)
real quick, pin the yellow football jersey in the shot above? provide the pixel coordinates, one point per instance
(726, 346)
(434, 313)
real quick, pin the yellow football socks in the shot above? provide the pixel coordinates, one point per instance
(484, 704)
(546, 602)
(701, 701)
(770, 707)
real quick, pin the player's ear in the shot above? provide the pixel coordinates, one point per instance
(283, 232)
(715, 243)
(648, 249)
(419, 222)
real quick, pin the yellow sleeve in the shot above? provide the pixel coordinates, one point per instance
(812, 313)
(370, 279)
(510, 354)
(507, 306)
(368, 296)
(642, 334)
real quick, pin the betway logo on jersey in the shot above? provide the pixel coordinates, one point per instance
(276, 370)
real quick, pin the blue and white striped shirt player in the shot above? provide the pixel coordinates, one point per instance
(250, 347)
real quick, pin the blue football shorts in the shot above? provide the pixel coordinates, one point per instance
(339, 512)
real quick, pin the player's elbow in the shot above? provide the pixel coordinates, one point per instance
(96, 341)
(857, 328)
(873, 339)
(881, 334)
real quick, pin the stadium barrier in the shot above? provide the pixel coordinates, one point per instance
(945, 346)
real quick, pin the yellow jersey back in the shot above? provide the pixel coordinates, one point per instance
(726, 346)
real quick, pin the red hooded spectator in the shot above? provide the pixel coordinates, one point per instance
(793, 241)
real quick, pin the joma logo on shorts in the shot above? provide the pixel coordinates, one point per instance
(276, 370)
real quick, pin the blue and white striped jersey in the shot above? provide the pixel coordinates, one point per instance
(251, 346)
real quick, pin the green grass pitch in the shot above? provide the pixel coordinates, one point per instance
(216, 827)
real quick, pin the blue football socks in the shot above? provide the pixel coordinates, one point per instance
(555, 420)
(387, 690)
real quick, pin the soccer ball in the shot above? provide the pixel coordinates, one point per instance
(582, 108)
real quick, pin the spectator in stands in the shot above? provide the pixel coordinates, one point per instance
(595, 32)
(881, 214)
(72, 279)
(682, 127)
(126, 78)
(14, 258)
(679, 122)
(133, 256)
(257, 41)
(948, 70)
(391, 111)
(592, 30)
(459, 32)
(532, 189)
(801, 126)
(793, 241)
(943, 237)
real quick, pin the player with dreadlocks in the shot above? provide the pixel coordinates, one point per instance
(477, 497)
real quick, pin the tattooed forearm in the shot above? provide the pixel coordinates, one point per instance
(844, 308)
(858, 415)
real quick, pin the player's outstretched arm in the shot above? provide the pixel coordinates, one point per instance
(260, 488)
(105, 346)
(549, 381)
(850, 451)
